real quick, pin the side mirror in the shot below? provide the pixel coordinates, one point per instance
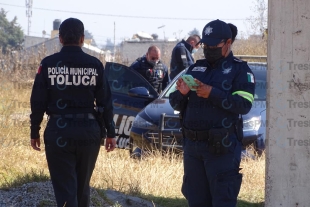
(140, 92)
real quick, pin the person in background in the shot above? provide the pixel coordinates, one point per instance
(181, 56)
(152, 68)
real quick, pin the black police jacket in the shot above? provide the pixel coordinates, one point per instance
(156, 75)
(69, 82)
(233, 87)
(181, 58)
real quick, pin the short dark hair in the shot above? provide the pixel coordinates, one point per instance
(153, 47)
(194, 37)
(71, 30)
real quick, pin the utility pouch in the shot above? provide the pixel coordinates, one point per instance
(218, 142)
(239, 129)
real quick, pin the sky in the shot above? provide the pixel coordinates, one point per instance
(127, 17)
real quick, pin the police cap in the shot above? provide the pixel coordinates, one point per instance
(214, 32)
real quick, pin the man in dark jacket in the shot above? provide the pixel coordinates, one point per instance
(211, 126)
(152, 69)
(66, 86)
(181, 56)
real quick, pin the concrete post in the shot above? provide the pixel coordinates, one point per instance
(288, 113)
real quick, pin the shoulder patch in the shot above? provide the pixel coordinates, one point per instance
(238, 60)
(39, 70)
(250, 77)
(200, 69)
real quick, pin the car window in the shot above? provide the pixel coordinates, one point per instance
(121, 79)
(172, 85)
(170, 90)
(260, 84)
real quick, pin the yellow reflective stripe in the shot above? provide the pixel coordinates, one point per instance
(245, 95)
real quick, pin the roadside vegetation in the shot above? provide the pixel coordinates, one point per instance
(155, 177)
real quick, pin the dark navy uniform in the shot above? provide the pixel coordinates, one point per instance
(181, 58)
(68, 86)
(211, 171)
(156, 75)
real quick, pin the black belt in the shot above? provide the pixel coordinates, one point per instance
(202, 135)
(74, 116)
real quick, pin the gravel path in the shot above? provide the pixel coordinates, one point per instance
(41, 194)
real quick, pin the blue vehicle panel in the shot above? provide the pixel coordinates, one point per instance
(145, 119)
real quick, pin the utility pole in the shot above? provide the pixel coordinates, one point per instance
(163, 30)
(29, 13)
(288, 95)
(114, 41)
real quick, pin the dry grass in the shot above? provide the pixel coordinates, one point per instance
(156, 177)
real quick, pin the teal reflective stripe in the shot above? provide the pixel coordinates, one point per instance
(245, 95)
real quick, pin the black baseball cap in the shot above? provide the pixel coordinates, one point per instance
(71, 25)
(214, 32)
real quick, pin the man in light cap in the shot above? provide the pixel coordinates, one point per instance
(211, 120)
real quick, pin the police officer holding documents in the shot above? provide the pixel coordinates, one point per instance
(71, 88)
(210, 108)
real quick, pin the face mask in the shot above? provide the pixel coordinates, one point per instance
(213, 54)
(153, 62)
(194, 50)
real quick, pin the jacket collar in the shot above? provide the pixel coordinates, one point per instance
(187, 45)
(71, 49)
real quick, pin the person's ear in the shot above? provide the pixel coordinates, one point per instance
(82, 39)
(61, 40)
(229, 42)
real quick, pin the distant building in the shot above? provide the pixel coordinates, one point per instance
(49, 46)
(31, 40)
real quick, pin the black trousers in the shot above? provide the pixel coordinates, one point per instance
(72, 147)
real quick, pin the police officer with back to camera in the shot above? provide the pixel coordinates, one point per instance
(152, 68)
(69, 86)
(212, 122)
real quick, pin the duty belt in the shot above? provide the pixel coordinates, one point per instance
(74, 116)
(202, 135)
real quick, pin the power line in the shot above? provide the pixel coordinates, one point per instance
(122, 16)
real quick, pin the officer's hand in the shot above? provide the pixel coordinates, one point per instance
(110, 144)
(203, 90)
(35, 144)
(182, 86)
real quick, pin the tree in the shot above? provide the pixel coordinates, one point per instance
(258, 24)
(89, 35)
(155, 36)
(109, 45)
(194, 32)
(11, 34)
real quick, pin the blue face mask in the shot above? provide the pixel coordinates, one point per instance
(194, 50)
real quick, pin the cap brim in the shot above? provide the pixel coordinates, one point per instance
(210, 41)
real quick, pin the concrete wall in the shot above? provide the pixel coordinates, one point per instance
(30, 41)
(288, 94)
(130, 51)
